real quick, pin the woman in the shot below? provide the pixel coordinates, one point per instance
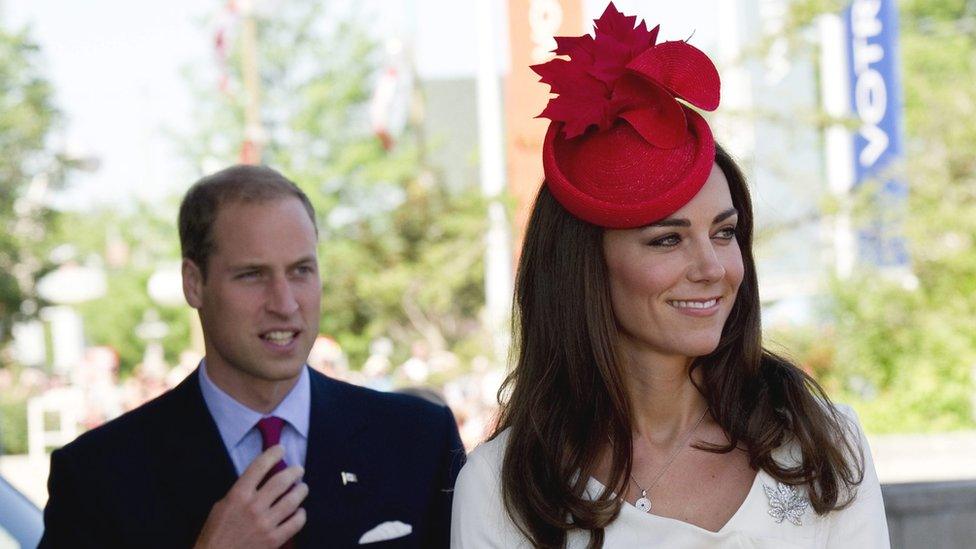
(642, 410)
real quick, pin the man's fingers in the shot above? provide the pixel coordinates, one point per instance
(290, 527)
(260, 467)
(284, 507)
(278, 485)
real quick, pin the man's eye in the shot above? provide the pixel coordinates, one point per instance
(248, 274)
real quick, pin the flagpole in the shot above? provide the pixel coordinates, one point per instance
(498, 266)
(251, 149)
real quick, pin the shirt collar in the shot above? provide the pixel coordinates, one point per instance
(234, 420)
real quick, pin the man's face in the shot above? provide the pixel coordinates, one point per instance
(259, 305)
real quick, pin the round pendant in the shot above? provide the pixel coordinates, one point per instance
(643, 504)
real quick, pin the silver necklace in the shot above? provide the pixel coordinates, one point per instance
(643, 503)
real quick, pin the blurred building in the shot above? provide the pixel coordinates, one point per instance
(771, 98)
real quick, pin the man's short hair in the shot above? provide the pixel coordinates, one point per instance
(241, 183)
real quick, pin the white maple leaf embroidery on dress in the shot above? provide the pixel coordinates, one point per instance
(786, 502)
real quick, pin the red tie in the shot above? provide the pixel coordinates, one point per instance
(270, 428)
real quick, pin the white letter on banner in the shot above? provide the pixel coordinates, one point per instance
(871, 101)
(871, 97)
(877, 144)
(865, 54)
(864, 18)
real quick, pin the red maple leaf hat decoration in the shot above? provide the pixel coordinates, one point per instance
(622, 151)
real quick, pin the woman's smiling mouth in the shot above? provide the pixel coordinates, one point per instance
(696, 307)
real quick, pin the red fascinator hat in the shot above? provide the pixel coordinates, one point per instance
(622, 151)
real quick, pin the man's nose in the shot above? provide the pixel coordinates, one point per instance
(281, 297)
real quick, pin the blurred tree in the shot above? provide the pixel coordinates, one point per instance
(131, 244)
(401, 249)
(911, 352)
(904, 352)
(28, 168)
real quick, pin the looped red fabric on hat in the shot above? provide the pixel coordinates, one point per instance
(624, 149)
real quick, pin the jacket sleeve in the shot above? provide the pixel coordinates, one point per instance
(69, 517)
(451, 460)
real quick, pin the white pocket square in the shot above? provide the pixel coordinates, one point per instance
(388, 530)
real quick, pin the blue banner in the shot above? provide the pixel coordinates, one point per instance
(876, 102)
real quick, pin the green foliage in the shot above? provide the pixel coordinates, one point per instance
(903, 350)
(26, 112)
(147, 238)
(27, 117)
(112, 320)
(401, 249)
(942, 11)
(13, 423)
(920, 341)
(900, 359)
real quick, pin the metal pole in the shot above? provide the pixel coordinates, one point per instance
(838, 142)
(498, 267)
(251, 149)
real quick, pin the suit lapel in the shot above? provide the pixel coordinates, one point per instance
(334, 420)
(197, 470)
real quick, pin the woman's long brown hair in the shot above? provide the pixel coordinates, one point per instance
(567, 391)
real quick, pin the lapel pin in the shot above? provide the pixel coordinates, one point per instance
(348, 478)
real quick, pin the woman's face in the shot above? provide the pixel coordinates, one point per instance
(673, 283)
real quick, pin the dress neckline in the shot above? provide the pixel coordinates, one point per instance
(630, 509)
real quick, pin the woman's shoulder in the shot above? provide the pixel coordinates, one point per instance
(485, 461)
(850, 428)
(861, 524)
(845, 411)
(789, 454)
(479, 519)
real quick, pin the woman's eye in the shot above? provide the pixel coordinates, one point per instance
(728, 233)
(668, 241)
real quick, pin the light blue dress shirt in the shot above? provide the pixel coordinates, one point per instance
(238, 424)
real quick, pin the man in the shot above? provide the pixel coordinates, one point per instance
(217, 461)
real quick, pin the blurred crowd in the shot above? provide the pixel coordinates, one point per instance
(469, 390)
(94, 392)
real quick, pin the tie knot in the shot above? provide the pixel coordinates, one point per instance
(270, 428)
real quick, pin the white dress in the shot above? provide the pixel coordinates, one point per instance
(772, 515)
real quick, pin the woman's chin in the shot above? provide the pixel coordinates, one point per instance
(700, 348)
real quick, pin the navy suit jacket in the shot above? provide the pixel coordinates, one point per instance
(150, 477)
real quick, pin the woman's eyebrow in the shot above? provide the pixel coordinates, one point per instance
(682, 222)
(725, 215)
(671, 222)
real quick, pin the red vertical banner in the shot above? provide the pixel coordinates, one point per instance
(532, 25)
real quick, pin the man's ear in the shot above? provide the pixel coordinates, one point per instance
(192, 283)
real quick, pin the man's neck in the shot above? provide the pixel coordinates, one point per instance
(258, 394)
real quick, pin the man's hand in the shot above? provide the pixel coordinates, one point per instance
(251, 517)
